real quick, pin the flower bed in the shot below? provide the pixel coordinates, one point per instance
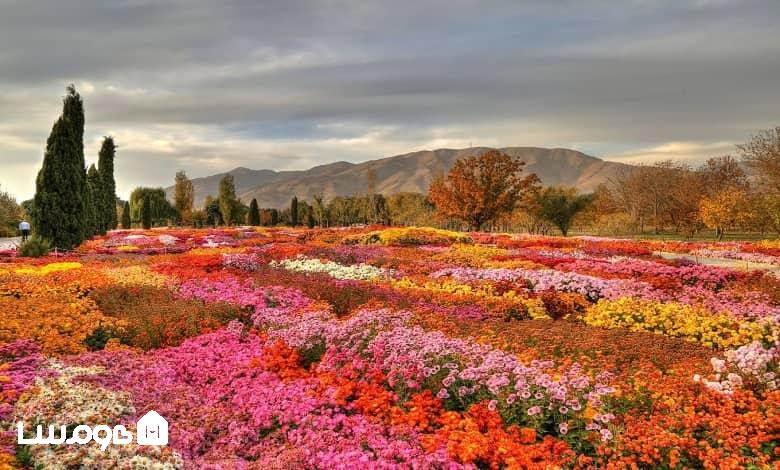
(370, 347)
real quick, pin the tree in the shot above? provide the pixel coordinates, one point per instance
(126, 215)
(665, 193)
(770, 208)
(479, 189)
(762, 155)
(199, 218)
(320, 210)
(146, 212)
(269, 217)
(211, 208)
(376, 210)
(309, 219)
(559, 206)
(106, 202)
(254, 214)
(725, 210)
(228, 201)
(61, 185)
(343, 211)
(409, 209)
(720, 173)
(94, 217)
(529, 215)
(161, 209)
(10, 214)
(294, 211)
(183, 197)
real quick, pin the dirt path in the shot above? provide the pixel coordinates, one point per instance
(721, 262)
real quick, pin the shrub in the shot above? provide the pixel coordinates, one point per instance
(153, 318)
(560, 305)
(35, 247)
(96, 341)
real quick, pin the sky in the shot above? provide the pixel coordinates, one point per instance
(208, 86)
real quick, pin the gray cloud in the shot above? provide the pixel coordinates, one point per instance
(288, 84)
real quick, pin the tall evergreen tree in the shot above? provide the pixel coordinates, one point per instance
(94, 214)
(254, 213)
(107, 203)
(294, 211)
(61, 187)
(309, 219)
(126, 215)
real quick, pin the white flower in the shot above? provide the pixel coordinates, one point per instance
(356, 272)
(719, 365)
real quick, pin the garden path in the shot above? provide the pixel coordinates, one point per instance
(10, 243)
(722, 262)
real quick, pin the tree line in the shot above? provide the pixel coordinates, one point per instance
(727, 193)
(491, 191)
(149, 207)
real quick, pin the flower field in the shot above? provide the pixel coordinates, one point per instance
(394, 348)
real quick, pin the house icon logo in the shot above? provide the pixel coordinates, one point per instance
(152, 430)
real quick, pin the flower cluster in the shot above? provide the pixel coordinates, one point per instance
(680, 321)
(752, 366)
(333, 269)
(409, 236)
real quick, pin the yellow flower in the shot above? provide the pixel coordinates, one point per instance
(716, 330)
(47, 269)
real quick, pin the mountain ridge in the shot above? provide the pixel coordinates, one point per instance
(408, 172)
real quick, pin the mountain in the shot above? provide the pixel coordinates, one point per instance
(409, 172)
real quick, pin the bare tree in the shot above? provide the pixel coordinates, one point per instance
(762, 155)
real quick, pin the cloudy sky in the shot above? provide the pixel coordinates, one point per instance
(208, 86)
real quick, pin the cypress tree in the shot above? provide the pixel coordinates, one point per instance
(309, 219)
(254, 213)
(294, 211)
(107, 203)
(94, 202)
(61, 186)
(126, 215)
(146, 212)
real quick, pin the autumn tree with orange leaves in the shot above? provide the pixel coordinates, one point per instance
(479, 189)
(731, 207)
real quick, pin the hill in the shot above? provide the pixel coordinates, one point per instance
(408, 172)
